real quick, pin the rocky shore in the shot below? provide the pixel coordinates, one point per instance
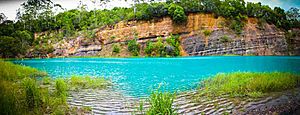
(109, 101)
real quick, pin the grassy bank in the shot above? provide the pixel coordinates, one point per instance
(247, 84)
(22, 93)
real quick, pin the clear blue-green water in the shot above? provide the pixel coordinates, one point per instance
(137, 76)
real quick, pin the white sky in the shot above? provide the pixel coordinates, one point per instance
(9, 7)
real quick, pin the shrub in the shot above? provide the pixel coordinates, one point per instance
(173, 49)
(159, 48)
(116, 48)
(149, 48)
(161, 103)
(225, 39)
(206, 32)
(134, 47)
(237, 26)
(177, 13)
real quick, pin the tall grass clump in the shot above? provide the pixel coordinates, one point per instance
(161, 103)
(61, 88)
(21, 94)
(10, 99)
(10, 71)
(249, 84)
(84, 82)
(32, 94)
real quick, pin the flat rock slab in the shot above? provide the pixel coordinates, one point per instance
(115, 103)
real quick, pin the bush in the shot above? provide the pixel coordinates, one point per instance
(134, 47)
(174, 43)
(10, 47)
(206, 32)
(116, 48)
(149, 48)
(225, 39)
(159, 47)
(177, 13)
(237, 26)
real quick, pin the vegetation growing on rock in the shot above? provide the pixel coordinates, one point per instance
(134, 47)
(38, 16)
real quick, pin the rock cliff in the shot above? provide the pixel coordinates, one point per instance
(255, 39)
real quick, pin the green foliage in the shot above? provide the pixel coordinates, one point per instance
(134, 47)
(38, 16)
(237, 26)
(12, 72)
(174, 42)
(149, 11)
(206, 32)
(21, 94)
(84, 82)
(116, 48)
(8, 47)
(159, 47)
(149, 48)
(10, 99)
(161, 103)
(141, 106)
(249, 84)
(177, 13)
(46, 80)
(225, 39)
(61, 88)
(32, 94)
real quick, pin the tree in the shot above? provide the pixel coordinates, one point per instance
(2, 17)
(6, 28)
(177, 13)
(24, 37)
(32, 10)
(9, 47)
(293, 16)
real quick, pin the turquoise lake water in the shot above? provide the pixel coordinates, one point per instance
(136, 76)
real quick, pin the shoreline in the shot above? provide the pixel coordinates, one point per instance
(110, 102)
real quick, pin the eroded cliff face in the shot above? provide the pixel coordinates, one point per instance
(254, 40)
(268, 40)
